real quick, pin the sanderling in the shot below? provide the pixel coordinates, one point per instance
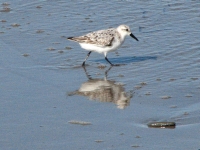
(103, 41)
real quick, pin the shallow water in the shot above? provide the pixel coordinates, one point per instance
(44, 87)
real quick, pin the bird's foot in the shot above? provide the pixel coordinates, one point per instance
(117, 65)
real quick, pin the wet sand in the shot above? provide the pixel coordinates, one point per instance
(48, 101)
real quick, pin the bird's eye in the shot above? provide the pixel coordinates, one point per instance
(126, 29)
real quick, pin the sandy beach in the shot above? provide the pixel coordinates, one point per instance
(49, 101)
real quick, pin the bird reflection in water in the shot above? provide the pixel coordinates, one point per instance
(104, 90)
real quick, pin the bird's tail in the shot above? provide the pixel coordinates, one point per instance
(70, 38)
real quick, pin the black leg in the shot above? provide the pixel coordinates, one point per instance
(108, 61)
(83, 64)
(111, 63)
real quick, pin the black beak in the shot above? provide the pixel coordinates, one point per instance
(134, 37)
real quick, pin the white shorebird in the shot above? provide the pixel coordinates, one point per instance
(103, 41)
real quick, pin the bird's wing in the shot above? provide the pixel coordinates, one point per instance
(99, 38)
